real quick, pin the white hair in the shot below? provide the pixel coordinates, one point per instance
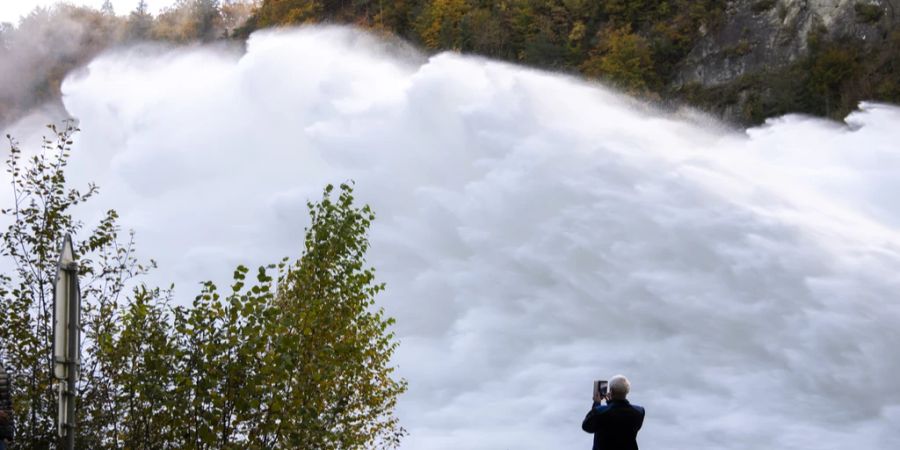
(619, 386)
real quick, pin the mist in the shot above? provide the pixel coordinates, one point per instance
(40, 50)
(42, 47)
(535, 232)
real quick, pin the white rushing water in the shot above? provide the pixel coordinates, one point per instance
(535, 233)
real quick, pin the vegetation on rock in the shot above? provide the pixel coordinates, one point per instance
(867, 12)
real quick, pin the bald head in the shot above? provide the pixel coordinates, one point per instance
(619, 387)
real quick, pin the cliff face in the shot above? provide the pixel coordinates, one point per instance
(762, 35)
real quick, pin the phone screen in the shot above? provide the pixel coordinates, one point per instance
(600, 387)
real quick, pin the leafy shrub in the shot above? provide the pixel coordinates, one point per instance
(867, 12)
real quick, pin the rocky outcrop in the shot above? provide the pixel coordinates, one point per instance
(760, 35)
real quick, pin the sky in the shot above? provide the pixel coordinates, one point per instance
(12, 10)
(535, 233)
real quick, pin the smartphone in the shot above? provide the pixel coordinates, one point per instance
(600, 387)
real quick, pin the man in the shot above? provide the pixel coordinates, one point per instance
(7, 428)
(616, 424)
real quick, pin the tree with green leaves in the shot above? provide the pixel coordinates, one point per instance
(107, 8)
(141, 353)
(333, 336)
(140, 21)
(40, 216)
(297, 361)
(300, 359)
(624, 59)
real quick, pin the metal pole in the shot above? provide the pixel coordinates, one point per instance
(66, 342)
(72, 353)
(74, 357)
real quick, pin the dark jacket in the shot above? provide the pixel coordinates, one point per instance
(615, 426)
(7, 427)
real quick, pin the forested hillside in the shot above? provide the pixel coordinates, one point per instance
(744, 60)
(635, 44)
